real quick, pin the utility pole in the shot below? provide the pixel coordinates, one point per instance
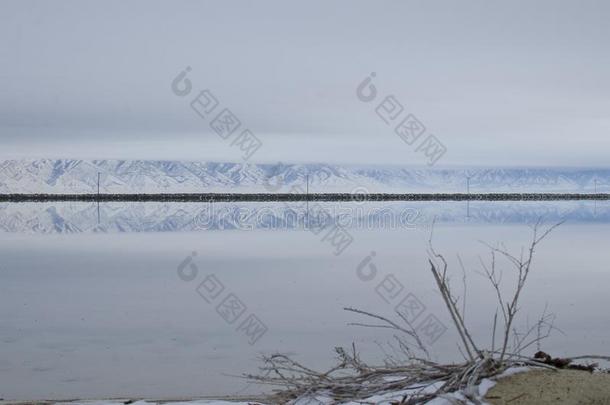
(307, 196)
(595, 201)
(98, 198)
(468, 176)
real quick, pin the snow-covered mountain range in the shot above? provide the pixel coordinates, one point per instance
(144, 176)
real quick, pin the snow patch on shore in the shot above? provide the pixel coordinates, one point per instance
(321, 399)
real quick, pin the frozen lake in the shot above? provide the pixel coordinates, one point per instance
(105, 303)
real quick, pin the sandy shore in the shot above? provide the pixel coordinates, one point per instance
(536, 387)
(541, 387)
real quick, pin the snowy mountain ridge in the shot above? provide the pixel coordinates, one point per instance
(147, 176)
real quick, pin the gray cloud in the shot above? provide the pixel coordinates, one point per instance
(498, 82)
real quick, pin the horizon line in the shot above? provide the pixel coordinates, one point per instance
(296, 197)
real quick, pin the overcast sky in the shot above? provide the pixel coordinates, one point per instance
(498, 83)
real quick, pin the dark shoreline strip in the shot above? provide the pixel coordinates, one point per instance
(231, 197)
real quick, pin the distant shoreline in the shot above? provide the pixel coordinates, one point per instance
(329, 197)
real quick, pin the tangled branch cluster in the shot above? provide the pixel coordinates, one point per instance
(352, 379)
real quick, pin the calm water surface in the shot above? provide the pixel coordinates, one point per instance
(92, 304)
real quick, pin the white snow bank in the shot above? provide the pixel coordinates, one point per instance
(321, 399)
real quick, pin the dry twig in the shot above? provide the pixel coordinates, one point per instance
(352, 379)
